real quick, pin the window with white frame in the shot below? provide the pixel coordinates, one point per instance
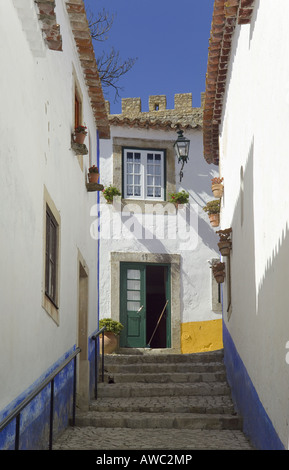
(144, 174)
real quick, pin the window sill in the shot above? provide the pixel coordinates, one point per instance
(79, 149)
(50, 308)
(94, 187)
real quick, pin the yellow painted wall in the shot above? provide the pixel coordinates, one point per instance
(201, 336)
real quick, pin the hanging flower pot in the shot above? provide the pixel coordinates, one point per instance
(109, 192)
(214, 220)
(218, 269)
(93, 174)
(80, 134)
(225, 247)
(225, 243)
(181, 197)
(217, 187)
(213, 210)
(220, 277)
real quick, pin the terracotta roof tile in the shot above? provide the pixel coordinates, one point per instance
(226, 14)
(80, 28)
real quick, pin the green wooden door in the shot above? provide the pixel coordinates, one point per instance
(133, 305)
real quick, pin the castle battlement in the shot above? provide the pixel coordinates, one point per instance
(182, 115)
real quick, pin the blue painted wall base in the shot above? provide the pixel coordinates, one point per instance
(34, 427)
(257, 425)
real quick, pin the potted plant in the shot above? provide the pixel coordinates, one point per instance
(181, 197)
(225, 243)
(213, 210)
(218, 269)
(93, 174)
(113, 330)
(80, 134)
(110, 192)
(217, 187)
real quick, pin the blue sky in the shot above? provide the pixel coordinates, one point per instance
(170, 40)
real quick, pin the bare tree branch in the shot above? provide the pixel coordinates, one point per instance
(110, 67)
(100, 25)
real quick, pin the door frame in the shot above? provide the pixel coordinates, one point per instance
(142, 267)
(83, 397)
(174, 260)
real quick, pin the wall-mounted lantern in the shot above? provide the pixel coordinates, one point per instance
(182, 147)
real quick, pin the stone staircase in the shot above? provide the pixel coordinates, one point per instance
(153, 400)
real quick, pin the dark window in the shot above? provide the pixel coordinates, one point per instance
(51, 257)
(77, 110)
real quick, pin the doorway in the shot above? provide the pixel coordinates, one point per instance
(144, 310)
(82, 336)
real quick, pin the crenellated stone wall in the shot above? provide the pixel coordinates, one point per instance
(184, 115)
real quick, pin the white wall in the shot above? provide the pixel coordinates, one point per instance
(35, 128)
(254, 135)
(195, 272)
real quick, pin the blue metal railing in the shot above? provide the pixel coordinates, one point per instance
(96, 368)
(16, 414)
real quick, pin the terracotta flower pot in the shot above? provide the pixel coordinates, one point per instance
(214, 219)
(225, 247)
(220, 277)
(110, 342)
(93, 177)
(218, 190)
(79, 137)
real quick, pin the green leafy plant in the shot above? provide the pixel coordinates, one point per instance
(110, 192)
(111, 325)
(212, 207)
(224, 235)
(93, 169)
(182, 197)
(80, 130)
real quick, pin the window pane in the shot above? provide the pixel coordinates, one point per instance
(133, 306)
(137, 191)
(150, 191)
(150, 156)
(133, 274)
(133, 285)
(158, 170)
(137, 168)
(129, 190)
(157, 157)
(137, 179)
(133, 295)
(130, 168)
(158, 192)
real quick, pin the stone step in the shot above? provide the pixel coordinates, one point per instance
(160, 368)
(162, 400)
(218, 404)
(143, 420)
(126, 390)
(164, 358)
(164, 377)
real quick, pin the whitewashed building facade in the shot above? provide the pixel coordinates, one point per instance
(48, 85)
(145, 242)
(246, 117)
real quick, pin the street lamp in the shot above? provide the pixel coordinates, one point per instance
(182, 146)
